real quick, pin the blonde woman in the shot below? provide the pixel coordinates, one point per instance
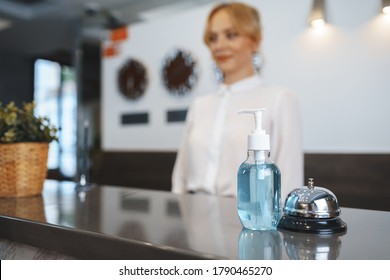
(214, 143)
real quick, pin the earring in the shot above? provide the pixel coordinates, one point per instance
(257, 62)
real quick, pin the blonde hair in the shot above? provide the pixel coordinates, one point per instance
(245, 19)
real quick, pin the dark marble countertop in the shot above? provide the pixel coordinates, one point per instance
(108, 222)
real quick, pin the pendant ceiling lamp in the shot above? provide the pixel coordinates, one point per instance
(317, 16)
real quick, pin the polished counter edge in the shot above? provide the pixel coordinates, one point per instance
(89, 245)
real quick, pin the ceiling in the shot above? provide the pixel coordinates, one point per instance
(41, 26)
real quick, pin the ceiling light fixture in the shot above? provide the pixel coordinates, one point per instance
(317, 15)
(386, 7)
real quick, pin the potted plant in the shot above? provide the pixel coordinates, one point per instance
(24, 146)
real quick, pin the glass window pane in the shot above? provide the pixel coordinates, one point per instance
(55, 95)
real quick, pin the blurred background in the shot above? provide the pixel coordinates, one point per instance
(117, 77)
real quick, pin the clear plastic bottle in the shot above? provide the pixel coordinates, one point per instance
(258, 181)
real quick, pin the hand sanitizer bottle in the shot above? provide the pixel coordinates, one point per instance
(259, 182)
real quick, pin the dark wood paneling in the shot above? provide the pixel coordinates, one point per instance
(134, 169)
(358, 180)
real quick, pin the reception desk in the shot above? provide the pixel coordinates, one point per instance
(108, 222)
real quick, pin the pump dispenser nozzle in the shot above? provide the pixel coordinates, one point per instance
(258, 114)
(258, 140)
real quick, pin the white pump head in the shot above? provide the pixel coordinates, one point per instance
(258, 140)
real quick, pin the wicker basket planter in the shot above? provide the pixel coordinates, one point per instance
(23, 168)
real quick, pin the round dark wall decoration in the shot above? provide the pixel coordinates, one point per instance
(179, 72)
(132, 79)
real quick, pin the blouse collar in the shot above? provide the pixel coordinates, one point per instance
(241, 85)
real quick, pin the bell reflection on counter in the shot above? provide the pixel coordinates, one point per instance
(300, 246)
(259, 245)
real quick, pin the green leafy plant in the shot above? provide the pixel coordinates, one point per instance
(21, 125)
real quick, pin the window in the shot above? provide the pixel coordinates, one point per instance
(55, 95)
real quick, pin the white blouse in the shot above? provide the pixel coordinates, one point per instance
(214, 142)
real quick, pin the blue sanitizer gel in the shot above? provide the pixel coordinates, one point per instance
(258, 194)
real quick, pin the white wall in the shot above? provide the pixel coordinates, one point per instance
(339, 73)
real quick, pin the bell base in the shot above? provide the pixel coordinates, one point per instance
(310, 225)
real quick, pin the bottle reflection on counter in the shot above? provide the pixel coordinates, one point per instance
(259, 245)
